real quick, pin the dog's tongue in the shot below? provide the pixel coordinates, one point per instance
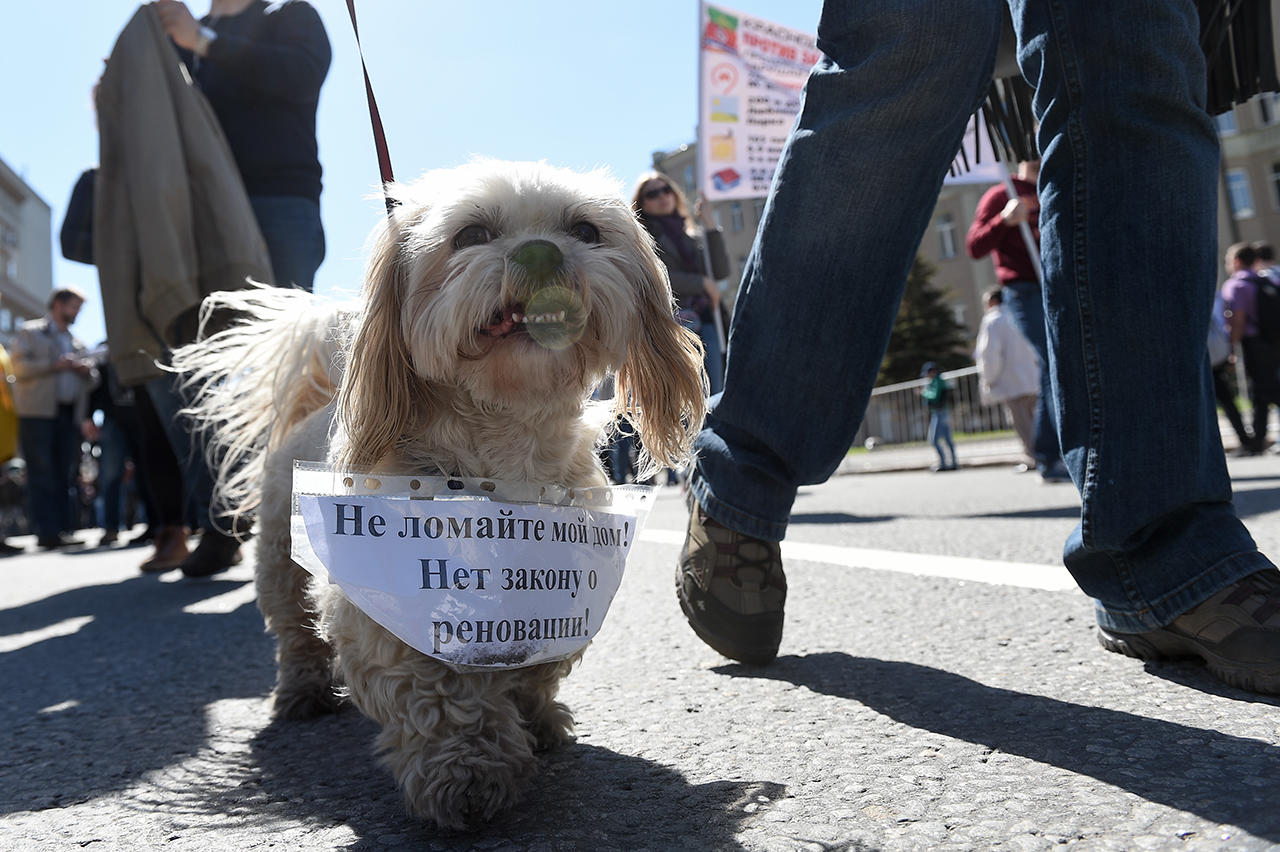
(502, 326)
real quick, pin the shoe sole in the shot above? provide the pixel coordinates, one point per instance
(1162, 645)
(160, 568)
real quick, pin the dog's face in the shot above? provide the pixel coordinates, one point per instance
(521, 281)
(518, 285)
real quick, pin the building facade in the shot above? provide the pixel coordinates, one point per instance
(26, 252)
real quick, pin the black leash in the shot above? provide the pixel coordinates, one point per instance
(379, 135)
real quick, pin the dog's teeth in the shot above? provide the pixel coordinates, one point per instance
(560, 316)
(518, 317)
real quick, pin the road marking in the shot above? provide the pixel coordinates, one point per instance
(1027, 575)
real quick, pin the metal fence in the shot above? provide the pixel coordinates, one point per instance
(896, 414)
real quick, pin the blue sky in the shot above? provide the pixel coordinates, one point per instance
(577, 84)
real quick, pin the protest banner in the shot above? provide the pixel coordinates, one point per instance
(475, 573)
(750, 76)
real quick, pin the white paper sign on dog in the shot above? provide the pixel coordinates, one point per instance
(464, 570)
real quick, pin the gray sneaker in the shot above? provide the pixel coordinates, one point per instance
(732, 590)
(1236, 632)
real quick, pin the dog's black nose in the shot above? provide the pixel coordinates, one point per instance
(540, 258)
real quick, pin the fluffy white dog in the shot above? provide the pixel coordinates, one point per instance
(497, 295)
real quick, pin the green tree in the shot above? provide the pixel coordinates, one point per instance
(925, 330)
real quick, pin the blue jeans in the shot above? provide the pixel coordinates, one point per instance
(940, 434)
(1123, 133)
(295, 237)
(1025, 301)
(51, 448)
(115, 449)
(189, 448)
(711, 356)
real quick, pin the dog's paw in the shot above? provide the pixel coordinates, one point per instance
(553, 728)
(301, 704)
(462, 782)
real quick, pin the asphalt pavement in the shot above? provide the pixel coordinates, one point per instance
(956, 701)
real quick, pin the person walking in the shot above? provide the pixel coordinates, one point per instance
(996, 231)
(1171, 568)
(937, 399)
(1261, 355)
(1009, 367)
(53, 376)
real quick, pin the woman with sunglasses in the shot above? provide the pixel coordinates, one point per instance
(662, 208)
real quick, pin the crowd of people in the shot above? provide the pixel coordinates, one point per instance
(198, 188)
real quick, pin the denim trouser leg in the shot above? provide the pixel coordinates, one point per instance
(1128, 193)
(712, 359)
(295, 238)
(49, 446)
(111, 472)
(1025, 301)
(940, 435)
(883, 115)
(197, 479)
(1123, 132)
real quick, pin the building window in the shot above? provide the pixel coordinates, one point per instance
(946, 228)
(1226, 123)
(689, 186)
(1239, 194)
(1275, 185)
(735, 217)
(1268, 108)
(759, 209)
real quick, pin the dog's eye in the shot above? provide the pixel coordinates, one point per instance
(584, 231)
(472, 235)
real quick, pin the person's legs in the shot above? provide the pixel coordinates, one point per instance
(1262, 365)
(944, 435)
(197, 480)
(162, 478)
(111, 476)
(712, 360)
(1022, 411)
(295, 238)
(1128, 301)
(1227, 401)
(1024, 300)
(882, 118)
(46, 490)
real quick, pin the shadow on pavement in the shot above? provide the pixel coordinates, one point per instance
(839, 518)
(1064, 512)
(123, 692)
(323, 772)
(1256, 502)
(1221, 778)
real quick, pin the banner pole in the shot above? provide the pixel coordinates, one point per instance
(1025, 229)
(699, 172)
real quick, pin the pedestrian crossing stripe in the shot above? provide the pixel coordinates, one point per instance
(1027, 575)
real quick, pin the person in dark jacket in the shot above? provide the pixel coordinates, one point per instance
(261, 65)
(663, 210)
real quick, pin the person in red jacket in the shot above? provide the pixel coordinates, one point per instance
(996, 231)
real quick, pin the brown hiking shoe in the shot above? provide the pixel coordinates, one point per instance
(1236, 632)
(732, 589)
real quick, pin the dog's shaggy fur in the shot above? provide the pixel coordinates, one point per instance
(434, 372)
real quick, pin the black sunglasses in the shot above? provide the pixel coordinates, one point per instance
(650, 194)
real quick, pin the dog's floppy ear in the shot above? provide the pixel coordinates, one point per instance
(381, 398)
(662, 386)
